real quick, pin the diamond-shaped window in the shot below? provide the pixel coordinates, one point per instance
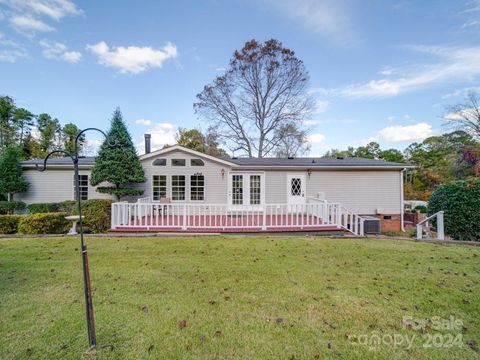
(296, 186)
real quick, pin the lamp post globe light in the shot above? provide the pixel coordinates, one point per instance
(92, 341)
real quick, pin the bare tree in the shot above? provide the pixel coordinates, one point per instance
(264, 89)
(293, 141)
(466, 116)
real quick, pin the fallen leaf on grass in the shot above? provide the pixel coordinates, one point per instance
(472, 344)
(182, 324)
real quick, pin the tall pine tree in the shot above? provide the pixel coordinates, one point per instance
(117, 162)
(11, 179)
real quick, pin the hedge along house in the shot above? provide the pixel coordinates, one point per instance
(190, 191)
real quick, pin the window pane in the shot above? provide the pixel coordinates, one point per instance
(178, 187)
(296, 186)
(254, 189)
(197, 187)
(237, 189)
(160, 162)
(178, 162)
(159, 187)
(196, 162)
(83, 186)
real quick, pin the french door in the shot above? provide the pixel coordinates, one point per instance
(246, 189)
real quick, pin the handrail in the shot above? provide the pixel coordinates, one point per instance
(313, 214)
(440, 226)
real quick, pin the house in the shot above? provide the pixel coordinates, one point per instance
(189, 190)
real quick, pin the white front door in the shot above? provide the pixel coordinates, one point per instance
(296, 189)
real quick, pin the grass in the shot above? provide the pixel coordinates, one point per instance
(287, 298)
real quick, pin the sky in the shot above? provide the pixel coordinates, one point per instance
(382, 71)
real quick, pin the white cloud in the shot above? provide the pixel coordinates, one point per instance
(28, 16)
(132, 59)
(455, 64)
(220, 69)
(470, 24)
(391, 117)
(469, 113)
(386, 72)
(316, 138)
(470, 14)
(72, 56)
(28, 23)
(55, 9)
(143, 122)
(461, 92)
(162, 134)
(320, 91)
(321, 106)
(58, 51)
(11, 55)
(11, 50)
(330, 18)
(472, 6)
(310, 122)
(395, 133)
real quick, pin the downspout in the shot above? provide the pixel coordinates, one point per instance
(402, 207)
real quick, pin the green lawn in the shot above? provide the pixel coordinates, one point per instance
(288, 298)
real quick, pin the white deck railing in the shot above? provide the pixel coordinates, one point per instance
(314, 214)
(426, 222)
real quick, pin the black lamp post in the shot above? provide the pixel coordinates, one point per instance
(92, 341)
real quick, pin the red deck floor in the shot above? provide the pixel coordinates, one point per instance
(228, 224)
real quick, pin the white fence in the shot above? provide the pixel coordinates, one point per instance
(314, 214)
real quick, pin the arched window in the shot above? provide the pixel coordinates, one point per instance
(196, 162)
(160, 162)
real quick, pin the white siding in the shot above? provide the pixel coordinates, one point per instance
(215, 184)
(362, 191)
(54, 185)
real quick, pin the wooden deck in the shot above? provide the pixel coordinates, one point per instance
(228, 224)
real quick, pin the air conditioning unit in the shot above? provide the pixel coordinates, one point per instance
(371, 225)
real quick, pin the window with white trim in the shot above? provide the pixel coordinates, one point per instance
(83, 186)
(159, 189)
(178, 187)
(255, 190)
(160, 162)
(237, 189)
(196, 162)
(197, 187)
(178, 162)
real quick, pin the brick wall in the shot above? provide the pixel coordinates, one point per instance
(389, 222)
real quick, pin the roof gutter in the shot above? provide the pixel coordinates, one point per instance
(323, 168)
(57, 166)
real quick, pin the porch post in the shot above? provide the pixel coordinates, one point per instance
(184, 223)
(264, 225)
(440, 226)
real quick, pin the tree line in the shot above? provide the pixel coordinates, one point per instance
(33, 135)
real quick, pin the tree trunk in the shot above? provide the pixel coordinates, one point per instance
(118, 197)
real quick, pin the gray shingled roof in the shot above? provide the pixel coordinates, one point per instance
(300, 162)
(313, 162)
(88, 160)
